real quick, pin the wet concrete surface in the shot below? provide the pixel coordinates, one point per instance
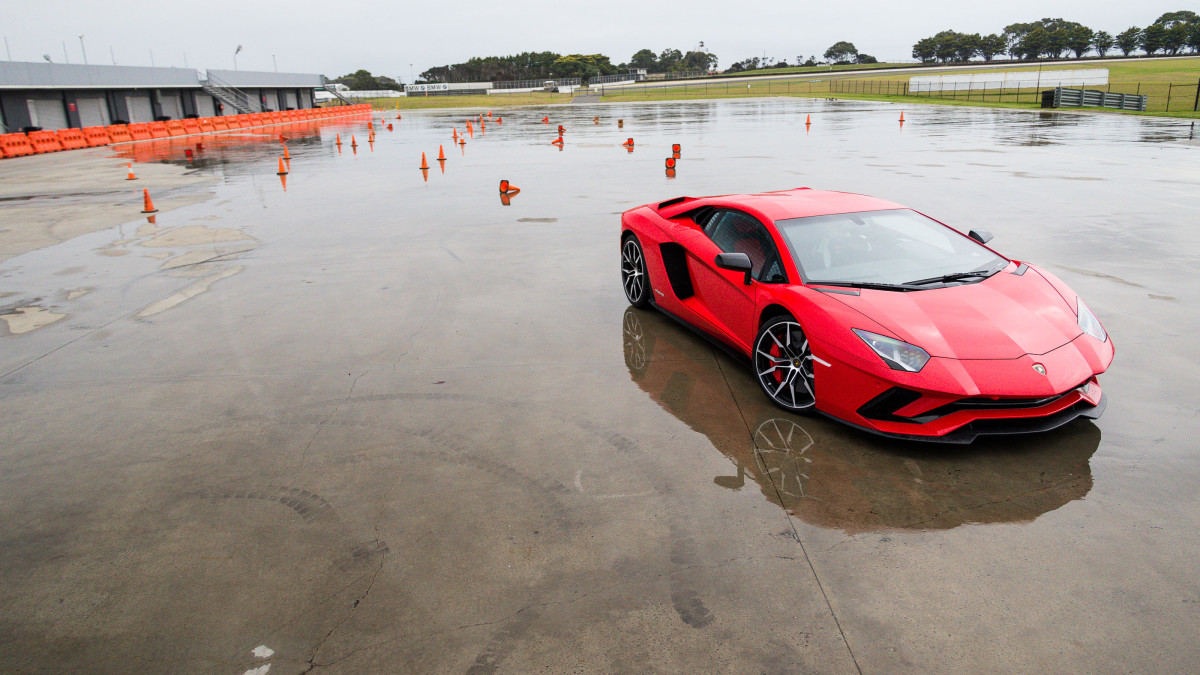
(382, 422)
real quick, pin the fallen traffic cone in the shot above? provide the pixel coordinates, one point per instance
(499, 120)
(199, 147)
(187, 152)
(628, 143)
(546, 120)
(286, 154)
(424, 164)
(670, 162)
(397, 115)
(441, 155)
(147, 205)
(675, 149)
(561, 129)
(130, 176)
(508, 188)
(282, 169)
(557, 141)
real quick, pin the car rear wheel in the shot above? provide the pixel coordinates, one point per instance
(783, 363)
(633, 272)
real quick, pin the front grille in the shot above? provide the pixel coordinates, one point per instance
(883, 407)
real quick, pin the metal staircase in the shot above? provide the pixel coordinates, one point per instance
(230, 95)
(333, 90)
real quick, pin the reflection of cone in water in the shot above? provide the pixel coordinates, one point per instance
(187, 152)
(670, 173)
(506, 198)
(441, 154)
(282, 170)
(455, 135)
(425, 174)
(286, 154)
(147, 205)
(424, 164)
(130, 176)
(283, 181)
(442, 166)
(199, 147)
(153, 220)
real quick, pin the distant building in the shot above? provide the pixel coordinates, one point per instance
(55, 96)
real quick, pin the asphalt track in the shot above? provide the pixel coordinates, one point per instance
(383, 422)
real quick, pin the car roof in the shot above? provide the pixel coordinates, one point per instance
(785, 204)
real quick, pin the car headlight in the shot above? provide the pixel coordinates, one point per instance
(1088, 322)
(897, 354)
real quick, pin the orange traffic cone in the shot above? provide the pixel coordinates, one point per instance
(508, 188)
(902, 117)
(353, 143)
(130, 176)
(557, 141)
(670, 162)
(807, 120)
(282, 169)
(397, 115)
(286, 154)
(339, 140)
(424, 164)
(389, 127)
(499, 120)
(462, 141)
(147, 205)
(546, 120)
(675, 148)
(628, 143)
(596, 119)
(441, 155)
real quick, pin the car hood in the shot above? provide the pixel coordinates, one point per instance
(1002, 317)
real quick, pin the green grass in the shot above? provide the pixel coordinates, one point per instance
(1135, 76)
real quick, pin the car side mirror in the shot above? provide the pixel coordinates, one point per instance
(737, 262)
(981, 236)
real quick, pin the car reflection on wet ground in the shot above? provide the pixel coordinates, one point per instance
(371, 418)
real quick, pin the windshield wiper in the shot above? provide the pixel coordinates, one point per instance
(984, 273)
(866, 284)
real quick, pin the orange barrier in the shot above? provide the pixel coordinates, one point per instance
(206, 125)
(118, 133)
(15, 145)
(44, 141)
(139, 132)
(96, 136)
(158, 129)
(175, 128)
(219, 124)
(191, 126)
(71, 139)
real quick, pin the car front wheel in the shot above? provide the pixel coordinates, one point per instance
(783, 362)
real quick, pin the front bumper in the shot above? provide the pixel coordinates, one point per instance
(953, 401)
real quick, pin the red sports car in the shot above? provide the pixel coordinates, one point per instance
(870, 312)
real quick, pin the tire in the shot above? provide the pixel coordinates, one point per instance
(634, 279)
(783, 365)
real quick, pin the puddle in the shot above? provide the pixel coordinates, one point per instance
(179, 297)
(194, 235)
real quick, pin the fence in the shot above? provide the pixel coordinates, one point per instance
(1161, 96)
(537, 84)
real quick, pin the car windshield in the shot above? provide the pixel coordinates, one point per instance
(895, 247)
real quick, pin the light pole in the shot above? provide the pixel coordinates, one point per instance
(274, 63)
(83, 49)
(235, 53)
(411, 79)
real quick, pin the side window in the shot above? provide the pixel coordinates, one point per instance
(737, 232)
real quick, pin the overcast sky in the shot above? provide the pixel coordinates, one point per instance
(336, 38)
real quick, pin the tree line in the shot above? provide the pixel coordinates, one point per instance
(1171, 33)
(523, 66)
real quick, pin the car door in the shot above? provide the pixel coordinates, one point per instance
(726, 298)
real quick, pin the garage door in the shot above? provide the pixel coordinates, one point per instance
(93, 112)
(49, 114)
(139, 109)
(291, 99)
(204, 106)
(169, 104)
